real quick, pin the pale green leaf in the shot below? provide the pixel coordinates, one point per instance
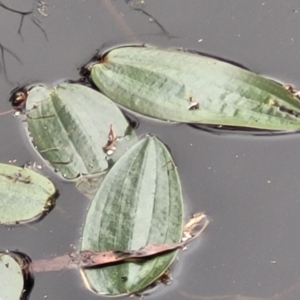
(138, 203)
(24, 194)
(70, 124)
(11, 278)
(185, 87)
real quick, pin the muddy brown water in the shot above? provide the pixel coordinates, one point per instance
(248, 185)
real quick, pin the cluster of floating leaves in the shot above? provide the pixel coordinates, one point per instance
(83, 136)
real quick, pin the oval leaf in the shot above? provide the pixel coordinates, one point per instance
(11, 278)
(138, 203)
(24, 194)
(15, 279)
(185, 87)
(70, 126)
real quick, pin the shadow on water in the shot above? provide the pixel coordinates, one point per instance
(230, 130)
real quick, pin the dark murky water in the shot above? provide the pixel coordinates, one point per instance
(249, 186)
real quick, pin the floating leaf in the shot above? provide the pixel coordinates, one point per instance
(71, 125)
(138, 203)
(185, 87)
(15, 280)
(24, 194)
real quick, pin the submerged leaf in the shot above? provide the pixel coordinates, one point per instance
(180, 86)
(24, 194)
(70, 127)
(138, 203)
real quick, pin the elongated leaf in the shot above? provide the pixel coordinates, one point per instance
(185, 87)
(24, 194)
(70, 125)
(138, 203)
(15, 279)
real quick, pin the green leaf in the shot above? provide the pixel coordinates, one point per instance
(70, 124)
(24, 194)
(12, 281)
(185, 87)
(138, 203)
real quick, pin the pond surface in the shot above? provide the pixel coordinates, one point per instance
(248, 185)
